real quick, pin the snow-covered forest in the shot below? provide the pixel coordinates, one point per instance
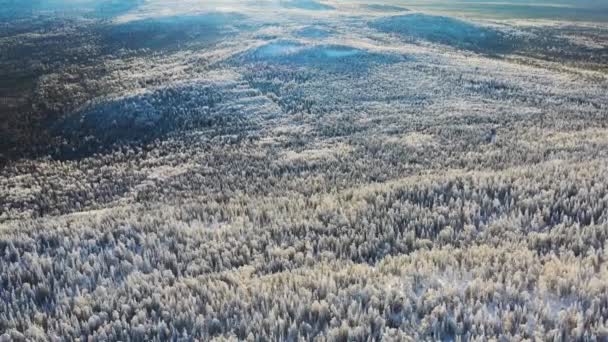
(303, 170)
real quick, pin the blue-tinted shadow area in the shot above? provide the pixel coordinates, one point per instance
(445, 30)
(140, 119)
(310, 5)
(313, 32)
(173, 32)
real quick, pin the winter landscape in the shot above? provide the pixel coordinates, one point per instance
(303, 170)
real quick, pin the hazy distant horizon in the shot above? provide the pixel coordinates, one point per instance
(583, 10)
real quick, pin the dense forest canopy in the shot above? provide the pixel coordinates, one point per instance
(295, 170)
